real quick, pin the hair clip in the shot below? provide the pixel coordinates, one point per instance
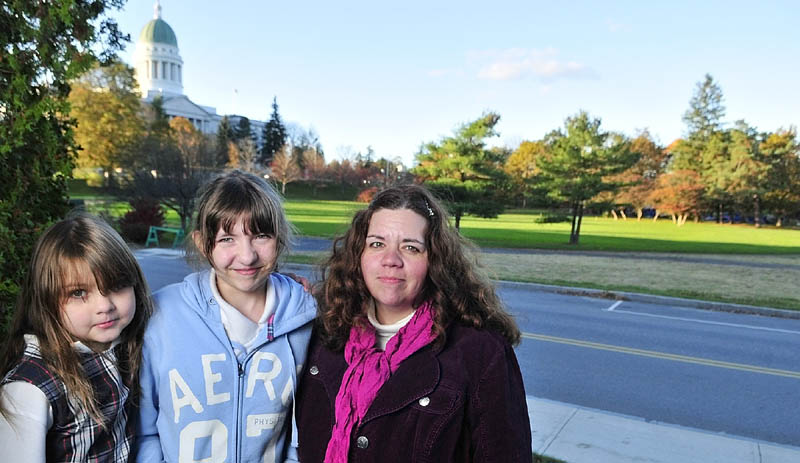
(430, 211)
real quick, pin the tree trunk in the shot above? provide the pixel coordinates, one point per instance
(757, 213)
(655, 215)
(719, 214)
(458, 222)
(580, 219)
(572, 238)
(614, 213)
(639, 214)
(283, 188)
(624, 215)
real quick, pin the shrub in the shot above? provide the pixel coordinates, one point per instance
(136, 223)
(366, 196)
(552, 218)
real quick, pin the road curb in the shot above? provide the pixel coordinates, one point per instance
(636, 297)
(654, 299)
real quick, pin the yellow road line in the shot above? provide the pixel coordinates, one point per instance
(665, 356)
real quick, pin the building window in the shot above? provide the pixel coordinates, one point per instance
(155, 69)
(173, 72)
(164, 70)
(147, 65)
(180, 77)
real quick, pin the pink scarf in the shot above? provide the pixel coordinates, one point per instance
(368, 369)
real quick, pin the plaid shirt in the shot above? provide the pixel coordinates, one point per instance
(74, 435)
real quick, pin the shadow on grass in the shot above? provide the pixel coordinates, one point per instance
(532, 239)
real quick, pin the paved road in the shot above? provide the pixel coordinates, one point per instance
(323, 244)
(722, 372)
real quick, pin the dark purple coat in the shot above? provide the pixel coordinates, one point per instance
(462, 402)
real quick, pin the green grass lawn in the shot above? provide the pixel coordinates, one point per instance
(774, 287)
(518, 229)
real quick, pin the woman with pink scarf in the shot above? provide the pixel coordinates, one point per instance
(412, 355)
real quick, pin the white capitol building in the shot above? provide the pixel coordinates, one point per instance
(160, 71)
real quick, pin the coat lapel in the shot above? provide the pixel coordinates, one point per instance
(416, 377)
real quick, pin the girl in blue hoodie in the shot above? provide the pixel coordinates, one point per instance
(223, 348)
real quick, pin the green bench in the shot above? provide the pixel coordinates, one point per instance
(152, 235)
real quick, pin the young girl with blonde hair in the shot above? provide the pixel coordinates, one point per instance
(70, 365)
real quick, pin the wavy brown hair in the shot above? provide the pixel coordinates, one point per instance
(460, 292)
(77, 242)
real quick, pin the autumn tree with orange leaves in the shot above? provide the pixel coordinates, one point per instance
(679, 194)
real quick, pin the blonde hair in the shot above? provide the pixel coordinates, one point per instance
(233, 196)
(77, 241)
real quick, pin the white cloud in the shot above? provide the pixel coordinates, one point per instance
(517, 63)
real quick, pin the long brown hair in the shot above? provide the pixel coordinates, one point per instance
(80, 240)
(460, 292)
(229, 197)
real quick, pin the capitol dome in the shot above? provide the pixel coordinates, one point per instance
(157, 60)
(158, 31)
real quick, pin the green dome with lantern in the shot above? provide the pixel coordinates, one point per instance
(158, 31)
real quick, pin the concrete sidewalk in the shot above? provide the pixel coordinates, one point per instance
(582, 435)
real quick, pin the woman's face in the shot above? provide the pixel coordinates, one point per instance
(394, 263)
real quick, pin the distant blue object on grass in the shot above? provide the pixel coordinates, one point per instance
(152, 235)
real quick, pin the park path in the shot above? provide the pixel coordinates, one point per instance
(309, 243)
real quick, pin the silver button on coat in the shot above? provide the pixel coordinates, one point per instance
(313, 370)
(362, 442)
(424, 401)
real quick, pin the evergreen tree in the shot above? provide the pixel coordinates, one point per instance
(44, 46)
(704, 150)
(780, 151)
(243, 130)
(225, 136)
(582, 159)
(706, 110)
(463, 172)
(274, 135)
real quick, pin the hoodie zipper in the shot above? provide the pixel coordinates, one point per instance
(240, 386)
(239, 406)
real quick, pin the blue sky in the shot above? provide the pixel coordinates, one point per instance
(395, 75)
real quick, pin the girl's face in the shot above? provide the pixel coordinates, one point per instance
(394, 263)
(93, 318)
(243, 262)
